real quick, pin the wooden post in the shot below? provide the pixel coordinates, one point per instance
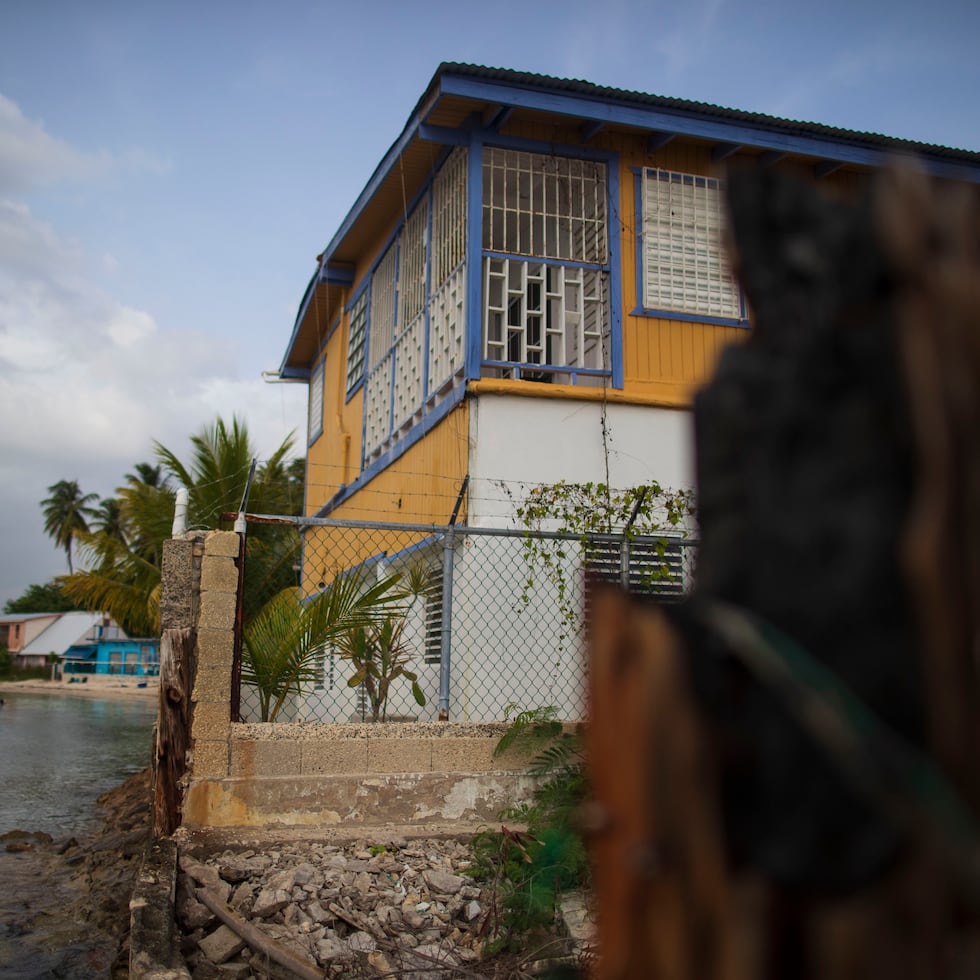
(173, 729)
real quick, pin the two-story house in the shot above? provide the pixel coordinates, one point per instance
(529, 288)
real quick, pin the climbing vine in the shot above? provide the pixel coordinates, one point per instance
(580, 512)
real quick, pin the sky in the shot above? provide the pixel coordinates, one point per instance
(169, 172)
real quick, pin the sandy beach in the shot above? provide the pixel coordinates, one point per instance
(105, 688)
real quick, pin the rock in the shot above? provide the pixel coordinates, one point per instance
(330, 950)
(362, 942)
(472, 910)
(380, 963)
(221, 945)
(241, 896)
(269, 902)
(443, 882)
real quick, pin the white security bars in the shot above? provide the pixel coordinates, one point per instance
(684, 267)
(418, 287)
(448, 273)
(547, 320)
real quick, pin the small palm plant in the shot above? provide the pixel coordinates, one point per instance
(281, 642)
(380, 655)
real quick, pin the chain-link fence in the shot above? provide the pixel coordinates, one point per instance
(422, 622)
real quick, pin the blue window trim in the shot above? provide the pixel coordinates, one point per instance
(538, 260)
(718, 321)
(474, 262)
(418, 431)
(613, 266)
(548, 369)
(659, 314)
(428, 542)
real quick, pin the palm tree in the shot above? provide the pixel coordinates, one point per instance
(124, 577)
(109, 519)
(280, 644)
(65, 512)
(148, 473)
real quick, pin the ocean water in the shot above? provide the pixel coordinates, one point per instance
(58, 754)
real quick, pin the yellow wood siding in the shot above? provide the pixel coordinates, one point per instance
(420, 487)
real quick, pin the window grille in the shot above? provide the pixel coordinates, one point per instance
(377, 409)
(448, 217)
(315, 421)
(684, 266)
(355, 342)
(409, 365)
(383, 306)
(544, 206)
(550, 315)
(447, 316)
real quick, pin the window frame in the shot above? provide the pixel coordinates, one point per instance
(569, 249)
(666, 312)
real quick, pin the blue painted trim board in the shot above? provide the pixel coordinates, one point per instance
(473, 331)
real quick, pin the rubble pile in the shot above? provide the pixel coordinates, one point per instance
(361, 909)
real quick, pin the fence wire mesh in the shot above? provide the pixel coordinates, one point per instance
(417, 622)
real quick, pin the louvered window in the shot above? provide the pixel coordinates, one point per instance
(316, 402)
(433, 616)
(684, 265)
(355, 343)
(647, 566)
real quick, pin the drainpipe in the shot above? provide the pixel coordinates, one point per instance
(180, 513)
(448, 561)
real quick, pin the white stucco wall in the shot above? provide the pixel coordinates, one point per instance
(523, 442)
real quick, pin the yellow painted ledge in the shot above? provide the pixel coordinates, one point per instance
(655, 394)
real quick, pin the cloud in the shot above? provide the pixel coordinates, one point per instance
(30, 157)
(87, 383)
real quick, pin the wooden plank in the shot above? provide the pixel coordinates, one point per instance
(173, 729)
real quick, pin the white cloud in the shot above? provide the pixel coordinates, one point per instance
(87, 384)
(30, 157)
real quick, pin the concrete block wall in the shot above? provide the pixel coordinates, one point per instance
(269, 775)
(211, 693)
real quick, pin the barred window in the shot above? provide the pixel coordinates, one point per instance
(546, 206)
(684, 265)
(411, 267)
(448, 217)
(383, 306)
(355, 342)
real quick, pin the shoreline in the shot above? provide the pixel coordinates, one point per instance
(108, 689)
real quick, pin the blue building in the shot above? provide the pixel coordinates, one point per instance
(108, 651)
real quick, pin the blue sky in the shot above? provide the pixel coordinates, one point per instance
(168, 174)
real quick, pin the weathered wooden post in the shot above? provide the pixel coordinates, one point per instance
(179, 600)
